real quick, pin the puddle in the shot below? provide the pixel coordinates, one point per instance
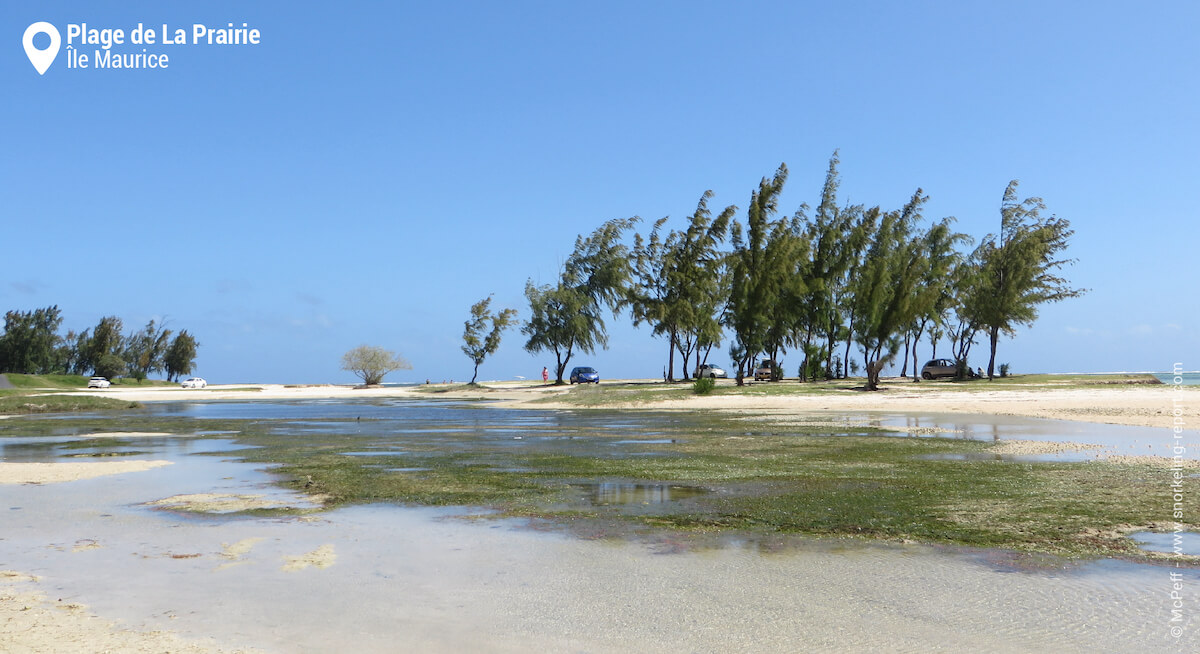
(1185, 542)
(621, 493)
(1112, 439)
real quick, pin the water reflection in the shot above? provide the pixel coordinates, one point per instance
(610, 493)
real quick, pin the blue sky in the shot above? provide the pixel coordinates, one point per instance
(370, 170)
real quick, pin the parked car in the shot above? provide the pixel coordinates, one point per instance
(193, 382)
(98, 382)
(935, 368)
(584, 375)
(765, 370)
(711, 370)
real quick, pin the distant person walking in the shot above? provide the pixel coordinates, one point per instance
(545, 374)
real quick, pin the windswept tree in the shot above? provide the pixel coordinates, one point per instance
(1018, 269)
(755, 277)
(961, 327)
(568, 316)
(30, 340)
(478, 342)
(145, 350)
(836, 239)
(181, 356)
(371, 363)
(885, 290)
(678, 288)
(102, 353)
(934, 294)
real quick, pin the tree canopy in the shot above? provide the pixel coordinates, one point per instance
(568, 316)
(478, 342)
(371, 363)
(1017, 269)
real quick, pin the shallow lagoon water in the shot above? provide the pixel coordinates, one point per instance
(1113, 439)
(428, 580)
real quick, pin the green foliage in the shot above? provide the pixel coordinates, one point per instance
(105, 343)
(1016, 270)
(29, 341)
(25, 404)
(180, 357)
(679, 282)
(1004, 370)
(704, 385)
(885, 289)
(371, 363)
(758, 264)
(478, 345)
(110, 366)
(567, 317)
(145, 351)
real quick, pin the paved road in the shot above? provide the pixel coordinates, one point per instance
(4, 383)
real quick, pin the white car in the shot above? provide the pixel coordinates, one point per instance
(193, 382)
(98, 382)
(711, 371)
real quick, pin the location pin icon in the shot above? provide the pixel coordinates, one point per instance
(41, 59)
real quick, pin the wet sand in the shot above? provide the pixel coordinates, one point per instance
(382, 579)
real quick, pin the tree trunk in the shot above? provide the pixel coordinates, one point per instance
(671, 359)
(830, 341)
(993, 336)
(916, 368)
(904, 368)
(560, 366)
(475, 374)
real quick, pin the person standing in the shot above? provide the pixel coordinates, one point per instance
(545, 374)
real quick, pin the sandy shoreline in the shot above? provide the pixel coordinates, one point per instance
(1132, 405)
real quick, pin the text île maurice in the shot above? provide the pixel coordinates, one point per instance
(106, 38)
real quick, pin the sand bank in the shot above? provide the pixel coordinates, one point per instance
(48, 473)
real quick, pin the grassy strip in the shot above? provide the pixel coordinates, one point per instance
(16, 404)
(72, 382)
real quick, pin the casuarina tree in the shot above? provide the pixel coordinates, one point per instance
(1018, 269)
(478, 342)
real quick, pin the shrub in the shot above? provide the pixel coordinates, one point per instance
(1004, 370)
(704, 386)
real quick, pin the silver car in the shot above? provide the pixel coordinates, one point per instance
(98, 382)
(712, 371)
(193, 382)
(939, 368)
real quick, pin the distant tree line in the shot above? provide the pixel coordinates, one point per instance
(847, 277)
(31, 344)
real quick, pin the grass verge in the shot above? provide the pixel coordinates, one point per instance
(19, 403)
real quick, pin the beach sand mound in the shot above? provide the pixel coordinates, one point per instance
(231, 503)
(48, 473)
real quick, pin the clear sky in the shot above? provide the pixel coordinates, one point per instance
(371, 169)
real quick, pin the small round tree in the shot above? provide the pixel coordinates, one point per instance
(371, 363)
